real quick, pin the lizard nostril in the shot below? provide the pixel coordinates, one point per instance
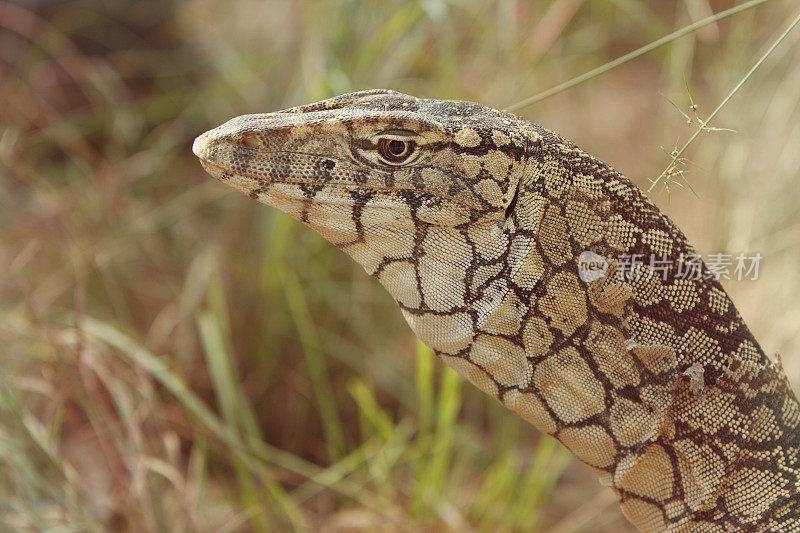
(200, 145)
(251, 140)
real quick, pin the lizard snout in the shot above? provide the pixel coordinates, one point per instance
(203, 146)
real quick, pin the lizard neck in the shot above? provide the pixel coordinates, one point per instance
(471, 296)
(458, 283)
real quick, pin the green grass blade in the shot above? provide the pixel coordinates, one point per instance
(705, 124)
(549, 461)
(24, 452)
(423, 380)
(377, 421)
(491, 504)
(156, 367)
(432, 479)
(230, 399)
(312, 346)
(602, 69)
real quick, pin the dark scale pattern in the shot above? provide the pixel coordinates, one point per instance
(656, 384)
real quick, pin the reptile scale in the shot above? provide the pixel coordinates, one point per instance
(477, 222)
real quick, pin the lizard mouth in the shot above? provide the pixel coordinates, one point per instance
(236, 165)
(256, 171)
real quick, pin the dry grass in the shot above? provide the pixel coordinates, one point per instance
(173, 357)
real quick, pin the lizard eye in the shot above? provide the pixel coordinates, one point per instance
(395, 151)
(251, 140)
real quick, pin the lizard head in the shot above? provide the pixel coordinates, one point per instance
(373, 161)
(422, 193)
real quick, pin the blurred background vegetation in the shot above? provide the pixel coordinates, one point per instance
(175, 357)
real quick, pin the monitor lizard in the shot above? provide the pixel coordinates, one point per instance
(505, 247)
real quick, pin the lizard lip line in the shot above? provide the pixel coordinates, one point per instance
(208, 165)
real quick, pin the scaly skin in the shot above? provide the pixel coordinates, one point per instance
(475, 220)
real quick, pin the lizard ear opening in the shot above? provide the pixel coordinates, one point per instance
(513, 204)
